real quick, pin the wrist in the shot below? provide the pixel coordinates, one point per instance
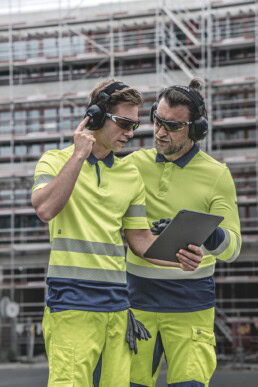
(79, 156)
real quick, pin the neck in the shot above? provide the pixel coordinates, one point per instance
(99, 151)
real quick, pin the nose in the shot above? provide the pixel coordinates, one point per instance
(129, 133)
(161, 131)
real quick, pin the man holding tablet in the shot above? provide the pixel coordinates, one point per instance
(177, 307)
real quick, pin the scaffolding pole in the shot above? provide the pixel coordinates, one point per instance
(13, 337)
(61, 75)
(208, 77)
(169, 46)
(256, 97)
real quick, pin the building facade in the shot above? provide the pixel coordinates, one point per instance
(50, 61)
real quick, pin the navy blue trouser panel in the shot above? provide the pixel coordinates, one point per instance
(137, 385)
(191, 383)
(158, 351)
(97, 373)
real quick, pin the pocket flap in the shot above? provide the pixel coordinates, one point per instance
(203, 335)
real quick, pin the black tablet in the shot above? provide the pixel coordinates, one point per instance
(187, 227)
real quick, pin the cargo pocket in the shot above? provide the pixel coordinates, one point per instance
(62, 366)
(202, 358)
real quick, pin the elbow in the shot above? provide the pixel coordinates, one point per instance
(41, 209)
(43, 214)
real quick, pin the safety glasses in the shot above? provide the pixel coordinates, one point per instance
(170, 126)
(123, 123)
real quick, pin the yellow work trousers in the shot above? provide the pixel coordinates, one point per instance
(76, 341)
(186, 339)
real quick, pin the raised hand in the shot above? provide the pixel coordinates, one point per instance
(83, 140)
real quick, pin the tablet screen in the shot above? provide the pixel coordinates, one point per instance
(187, 227)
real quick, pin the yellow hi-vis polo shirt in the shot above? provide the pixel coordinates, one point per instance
(195, 182)
(87, 268)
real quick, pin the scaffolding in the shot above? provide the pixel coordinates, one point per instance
(48, 64)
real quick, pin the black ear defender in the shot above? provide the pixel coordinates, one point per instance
(96, 112)
(198, 129)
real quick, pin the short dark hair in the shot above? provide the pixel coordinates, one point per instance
(128, 95)
(176, 97)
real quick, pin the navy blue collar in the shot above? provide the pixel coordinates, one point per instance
(108, 160)
(182, 161)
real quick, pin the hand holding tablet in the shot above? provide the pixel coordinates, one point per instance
(187, 227)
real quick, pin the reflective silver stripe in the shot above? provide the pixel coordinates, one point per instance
(79, 246)
(43, 179)
(237, 251)
(86, 274)
(222, 247)
(136, 211)
(156, 273)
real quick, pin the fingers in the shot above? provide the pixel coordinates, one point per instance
(160, 225)
(198, 251)
(82, 124)
(190, 260)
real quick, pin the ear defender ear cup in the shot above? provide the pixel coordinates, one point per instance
(198, 129)
(97, 117)
(96, 112)
(153, 109)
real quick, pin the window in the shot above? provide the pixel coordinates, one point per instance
(19, 50)
(4, 52)
(27, 221)
(5, 118)
(20, 121)
(20, 150)
(22, 196)
(5, 222)
(34, 149)
(50, 146)
(5, 198)
(50, 47)
(78, 45)
(33, 48)
(5, 151)
(33, 123)
(50, 118)
(66, 46)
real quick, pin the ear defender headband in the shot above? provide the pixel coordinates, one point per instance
(198, 129)
(96, 112)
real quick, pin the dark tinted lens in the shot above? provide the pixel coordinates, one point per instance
(123, 123)
(157, 121)
(173, 126)
(170, 126)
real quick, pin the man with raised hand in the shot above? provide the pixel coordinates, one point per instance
(88, 195)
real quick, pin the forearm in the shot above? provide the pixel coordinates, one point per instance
(51, 199)
(140, 242)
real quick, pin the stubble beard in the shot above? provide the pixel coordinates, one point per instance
(171, 149)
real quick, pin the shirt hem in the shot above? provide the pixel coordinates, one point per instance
(172, 310)
(54, 309)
